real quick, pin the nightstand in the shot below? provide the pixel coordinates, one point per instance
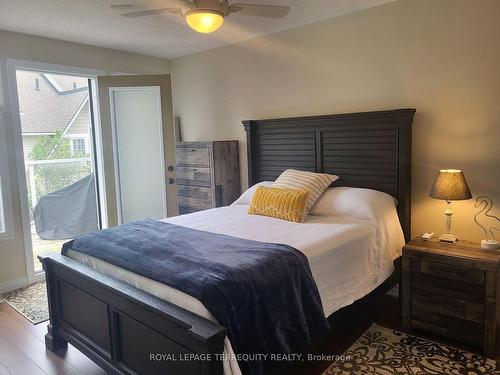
(452, 291)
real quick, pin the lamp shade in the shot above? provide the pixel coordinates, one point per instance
(204, 21)
(450, 185)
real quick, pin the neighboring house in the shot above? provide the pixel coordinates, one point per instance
(49, 103)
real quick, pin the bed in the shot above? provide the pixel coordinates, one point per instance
(118, 319)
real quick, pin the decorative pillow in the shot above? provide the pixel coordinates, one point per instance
(246, 197)
(315, 183)
(286, 204)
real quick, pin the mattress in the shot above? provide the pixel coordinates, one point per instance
(348, 257)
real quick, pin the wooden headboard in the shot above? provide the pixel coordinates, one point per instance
(367, 149)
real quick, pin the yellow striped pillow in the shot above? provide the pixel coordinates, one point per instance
(315, 183)
(286, 204)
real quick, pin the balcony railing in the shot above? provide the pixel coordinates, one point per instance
(46, 176)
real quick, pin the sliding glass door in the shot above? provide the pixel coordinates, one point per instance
(57, 163)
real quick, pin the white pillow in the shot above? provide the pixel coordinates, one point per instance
(365, 204)
(247, 196)
(358, 203)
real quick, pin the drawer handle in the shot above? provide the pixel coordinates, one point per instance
(193, 150)
(195, 170)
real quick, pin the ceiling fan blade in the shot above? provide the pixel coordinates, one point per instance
(272, 11)
(123, 6)
(152, 12)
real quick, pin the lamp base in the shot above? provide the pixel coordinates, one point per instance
(448, 237)
(490, 244)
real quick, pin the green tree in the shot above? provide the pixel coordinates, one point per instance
(51, 177)
(52, 147)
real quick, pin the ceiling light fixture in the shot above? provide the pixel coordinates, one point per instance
(207, 16)
(204, 21)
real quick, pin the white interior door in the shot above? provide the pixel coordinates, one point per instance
(137, 134)
(136, 120)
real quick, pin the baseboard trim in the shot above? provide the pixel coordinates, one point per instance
(13, 284)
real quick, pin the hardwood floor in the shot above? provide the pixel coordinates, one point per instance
(22, 348)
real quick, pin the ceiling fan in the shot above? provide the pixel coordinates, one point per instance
(206, 16)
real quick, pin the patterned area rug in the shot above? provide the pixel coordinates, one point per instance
(30, 302)
(383, 351)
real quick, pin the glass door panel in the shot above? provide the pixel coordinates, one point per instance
(56, 131)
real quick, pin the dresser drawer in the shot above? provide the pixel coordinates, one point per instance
(449, 271)
(193, 198)
(187, 210)
(193, 156)
(194, 176)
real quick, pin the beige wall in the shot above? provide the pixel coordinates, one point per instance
(441, 57)
(27, 47)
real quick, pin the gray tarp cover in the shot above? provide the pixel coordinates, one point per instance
(68, 212)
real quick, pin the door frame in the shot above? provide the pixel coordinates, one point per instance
(116, 161)
(13, 111)
(164, 81)
(5, 185)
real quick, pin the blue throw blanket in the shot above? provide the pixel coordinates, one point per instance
(263, 293)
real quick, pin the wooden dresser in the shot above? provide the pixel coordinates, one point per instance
(451, 290)
(208, 175)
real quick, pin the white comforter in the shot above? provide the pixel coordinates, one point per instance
(348, 257)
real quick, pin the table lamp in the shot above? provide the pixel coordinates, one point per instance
(450, 185)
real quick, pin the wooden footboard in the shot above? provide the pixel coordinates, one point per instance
(123, 329)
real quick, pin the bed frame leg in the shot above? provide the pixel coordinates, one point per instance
(54, 342)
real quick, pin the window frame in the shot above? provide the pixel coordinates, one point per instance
(6, 214)
(75, 138)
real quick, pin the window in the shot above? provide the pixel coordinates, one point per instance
(79, 146)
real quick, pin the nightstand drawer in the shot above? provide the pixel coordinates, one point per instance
(424, 284)
(448, 306)
(449, 271)
(440, 330)
(473, 329)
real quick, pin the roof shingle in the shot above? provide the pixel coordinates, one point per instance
(47, 110)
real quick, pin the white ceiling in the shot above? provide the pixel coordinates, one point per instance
(94, 22)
